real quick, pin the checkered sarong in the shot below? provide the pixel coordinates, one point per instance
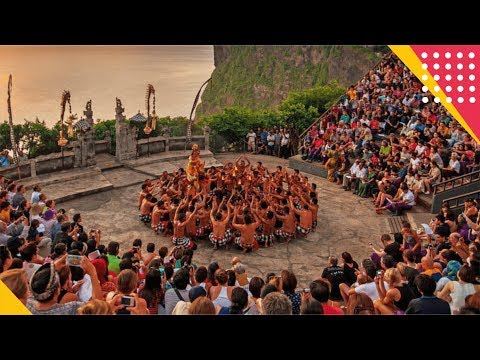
(183, 241)
(302, 230)
(146, 218)
(239, 241)
(200, 231)
(262, 239)
(220, 241)
(283, 233)
(161, 226)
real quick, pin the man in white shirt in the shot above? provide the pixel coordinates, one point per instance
(284, 150)
(347, 178)
(435, 156)
(271, 142)
(407, 202)
(453, 168)
(251, 140)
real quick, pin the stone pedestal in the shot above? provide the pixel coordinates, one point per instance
(126, 136)
(206, 133)
(33, 168)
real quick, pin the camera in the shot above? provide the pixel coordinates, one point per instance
(74, 260)
(306, 290)
(128, 301)
(379, 272)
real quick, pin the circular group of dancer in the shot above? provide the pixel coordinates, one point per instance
(240, 204)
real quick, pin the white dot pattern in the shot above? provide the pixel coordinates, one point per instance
(454, 68)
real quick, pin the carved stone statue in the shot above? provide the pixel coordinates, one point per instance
(119, 109)
(166, 131)
(88, 107)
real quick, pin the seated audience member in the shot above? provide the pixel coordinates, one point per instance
(428, 303)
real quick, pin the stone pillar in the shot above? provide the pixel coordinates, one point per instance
(206, 134)
(77, 152)
(126, 136)
(108, 138)
(89, 148)
(166, 135)
(88, 143)
(33, 168)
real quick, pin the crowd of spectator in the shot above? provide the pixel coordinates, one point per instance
(388, 130)
(274, 142)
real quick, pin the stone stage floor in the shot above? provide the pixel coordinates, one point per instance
(345, 223)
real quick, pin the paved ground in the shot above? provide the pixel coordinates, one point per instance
(345, 223)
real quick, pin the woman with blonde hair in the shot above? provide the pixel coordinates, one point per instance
(16, 281)
(95, 307)
(202, 306)
(395, 300)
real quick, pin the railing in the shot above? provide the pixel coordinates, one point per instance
(329, 109)
(456, 182)
(457, 202)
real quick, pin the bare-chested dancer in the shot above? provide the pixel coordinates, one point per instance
(146, 209)
(288, 229)
(305, 225)
(220, 235)
(247, 230)
(179, 223)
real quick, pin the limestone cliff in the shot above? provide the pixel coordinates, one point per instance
(262, 76)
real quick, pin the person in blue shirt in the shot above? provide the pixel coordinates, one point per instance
(4, 159)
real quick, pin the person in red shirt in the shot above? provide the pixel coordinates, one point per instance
(315, 149)
(320, 291)
(374, 126)
(412, 145)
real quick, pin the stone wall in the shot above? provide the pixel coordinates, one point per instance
(11, 172)
(151, 145)
(102, 146)
(178, 142)
(40, 165)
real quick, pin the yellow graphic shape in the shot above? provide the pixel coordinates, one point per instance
(9, 304)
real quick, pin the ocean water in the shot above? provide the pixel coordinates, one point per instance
(101, 73)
